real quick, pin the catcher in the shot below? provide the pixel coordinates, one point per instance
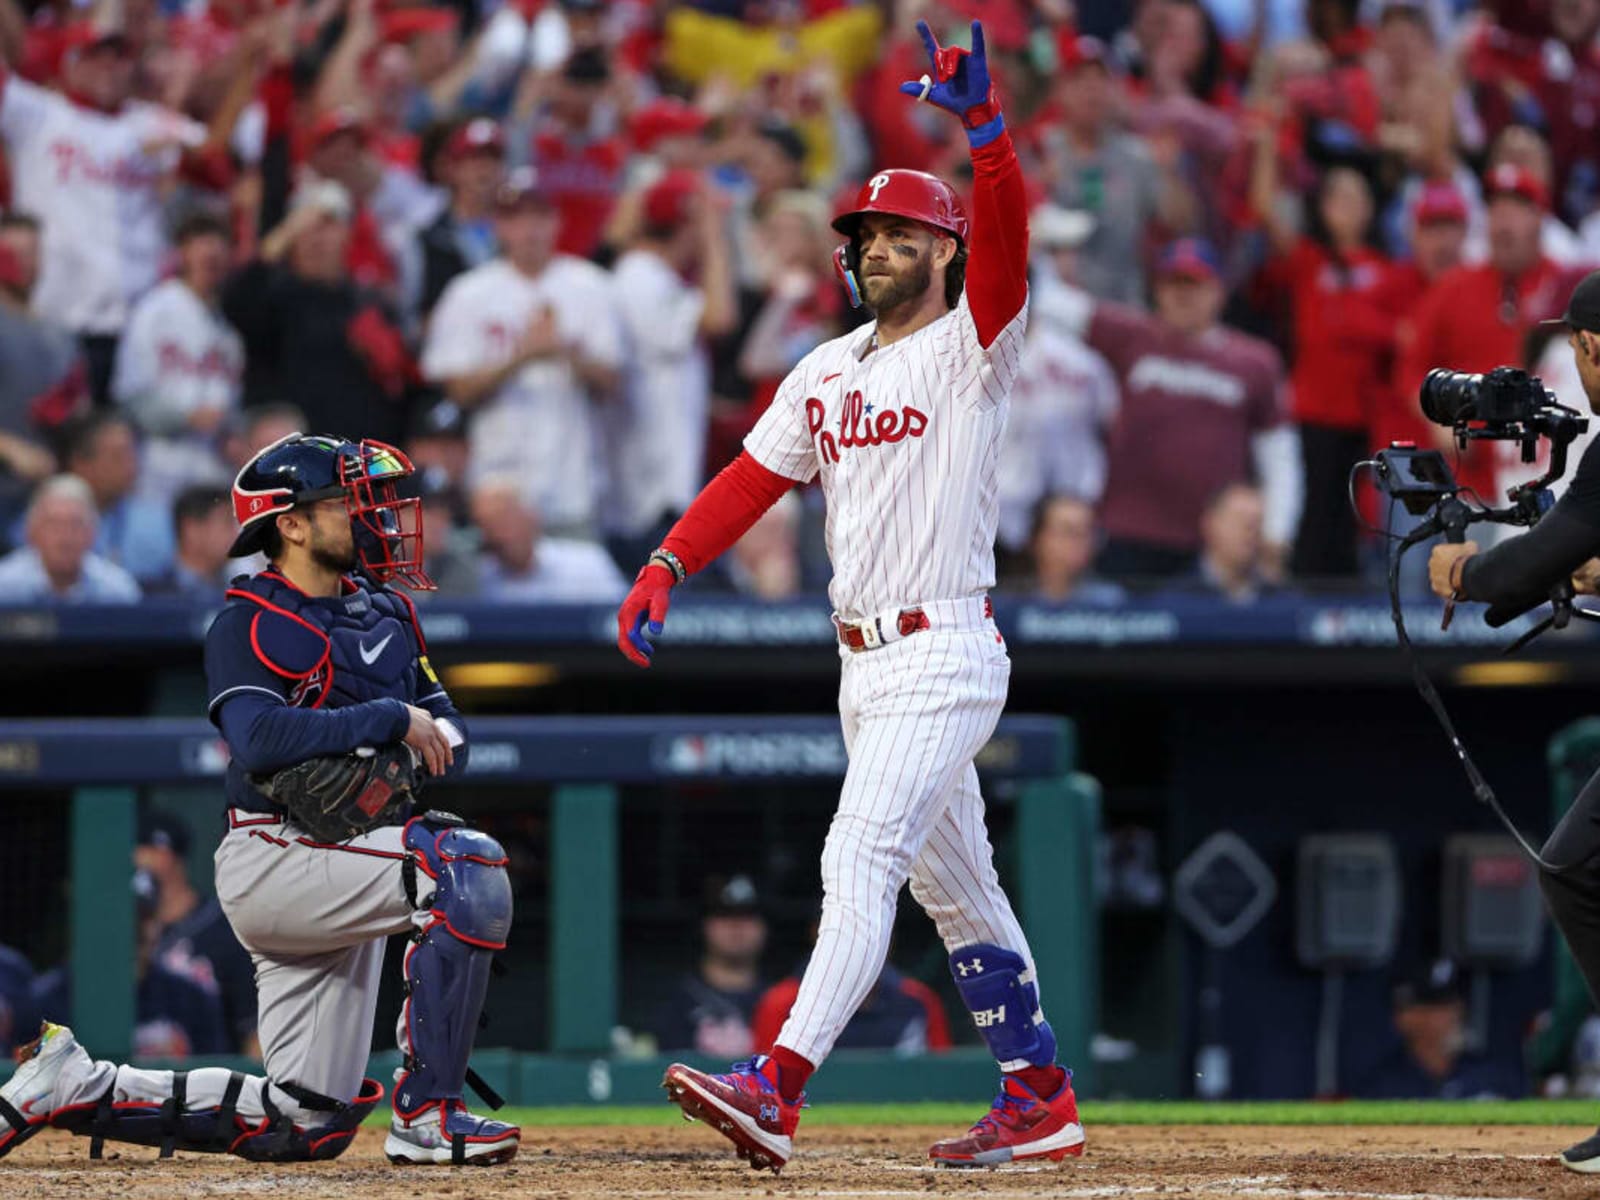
(319, 681)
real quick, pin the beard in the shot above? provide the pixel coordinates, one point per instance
(885, 293)
(340, 558)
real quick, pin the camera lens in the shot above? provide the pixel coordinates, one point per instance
(1449, 397)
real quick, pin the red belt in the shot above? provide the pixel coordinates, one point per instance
(873, 632)
(869, 635)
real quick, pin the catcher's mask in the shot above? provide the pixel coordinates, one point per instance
(303, 469)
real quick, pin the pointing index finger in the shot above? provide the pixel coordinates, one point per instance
(929, 42)
(977, 40)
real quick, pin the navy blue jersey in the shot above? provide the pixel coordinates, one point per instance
(292, 676)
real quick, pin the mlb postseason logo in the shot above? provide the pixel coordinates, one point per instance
(750, 754)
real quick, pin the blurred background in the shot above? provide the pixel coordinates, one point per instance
(563, 251)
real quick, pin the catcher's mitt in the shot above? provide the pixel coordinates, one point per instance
(334, 797)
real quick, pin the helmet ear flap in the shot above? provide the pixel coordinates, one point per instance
(847, 265)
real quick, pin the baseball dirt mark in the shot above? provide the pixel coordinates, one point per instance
(1205, 1163)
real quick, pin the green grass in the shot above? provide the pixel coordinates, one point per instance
(1124, 1112)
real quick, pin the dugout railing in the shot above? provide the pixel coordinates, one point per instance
(585, 761)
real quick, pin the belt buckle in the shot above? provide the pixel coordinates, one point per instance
(871, 636)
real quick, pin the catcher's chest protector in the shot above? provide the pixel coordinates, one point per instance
(359, 646)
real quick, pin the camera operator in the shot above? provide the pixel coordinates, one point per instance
(1521, 571)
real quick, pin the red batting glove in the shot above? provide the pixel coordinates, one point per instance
(652, 589)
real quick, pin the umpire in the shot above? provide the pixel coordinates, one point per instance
(1521, 571)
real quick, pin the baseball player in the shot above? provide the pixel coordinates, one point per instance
(903, 420)
(320, 683)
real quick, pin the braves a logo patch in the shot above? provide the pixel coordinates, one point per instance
(860, 425)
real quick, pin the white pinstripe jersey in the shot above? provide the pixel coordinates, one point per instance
(907, 442)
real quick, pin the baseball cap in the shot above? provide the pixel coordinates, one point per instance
(334, 122)
(164, 831)
(478, 136)
(1056, 228)
(1508, 179)
(663, 118)
(668, 202)
(1075, 50)
(1438, 202)
(521, 192)
(1583, 307)
(1434, 982)
(403, 24)
(1191, 258)
(91, 35)
(732, 897)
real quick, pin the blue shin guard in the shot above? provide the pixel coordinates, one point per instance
(447, 963)
(1001, 994)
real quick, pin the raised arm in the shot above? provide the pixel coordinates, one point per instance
(997, 263)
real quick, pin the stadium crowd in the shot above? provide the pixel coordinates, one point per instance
(562, 251)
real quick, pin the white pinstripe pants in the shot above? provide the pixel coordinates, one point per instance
(914, 712)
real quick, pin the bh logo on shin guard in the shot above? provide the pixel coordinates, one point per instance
(986, 1017)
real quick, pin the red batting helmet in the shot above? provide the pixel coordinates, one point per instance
(914, 194)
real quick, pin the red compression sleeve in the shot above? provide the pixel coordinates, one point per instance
(997, 264)
(723, 511)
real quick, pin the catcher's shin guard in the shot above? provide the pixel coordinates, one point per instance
(210, 1124)
(447, 963)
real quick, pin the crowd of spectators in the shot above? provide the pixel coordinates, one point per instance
(563, 251)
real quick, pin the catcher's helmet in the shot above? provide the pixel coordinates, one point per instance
(302, 469)
(901, 193)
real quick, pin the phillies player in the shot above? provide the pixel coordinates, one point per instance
(94, 166)
(903, 420)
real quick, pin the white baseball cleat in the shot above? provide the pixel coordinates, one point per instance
(445, 1132)
(28, 1098)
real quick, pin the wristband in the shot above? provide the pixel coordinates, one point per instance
(663, 557)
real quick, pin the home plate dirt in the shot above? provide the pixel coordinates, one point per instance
(1202, 1162)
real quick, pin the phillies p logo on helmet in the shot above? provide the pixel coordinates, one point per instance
(875, 185)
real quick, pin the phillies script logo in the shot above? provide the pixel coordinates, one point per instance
(860, 426)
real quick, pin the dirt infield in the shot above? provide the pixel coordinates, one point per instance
(1207, 1163)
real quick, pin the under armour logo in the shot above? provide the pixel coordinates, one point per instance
(975, 967)
(986, 1017)
(876, 185)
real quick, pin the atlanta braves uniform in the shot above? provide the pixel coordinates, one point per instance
(905, 438)
(291, 677)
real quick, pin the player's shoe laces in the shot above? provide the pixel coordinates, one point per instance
(1021, 1125)
(1584, 1157)
(445, 1132)
(27, 1099)
(743, 1105)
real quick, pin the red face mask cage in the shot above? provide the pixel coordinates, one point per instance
(387, 528)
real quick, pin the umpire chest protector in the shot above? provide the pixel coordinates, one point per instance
(360, 645)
